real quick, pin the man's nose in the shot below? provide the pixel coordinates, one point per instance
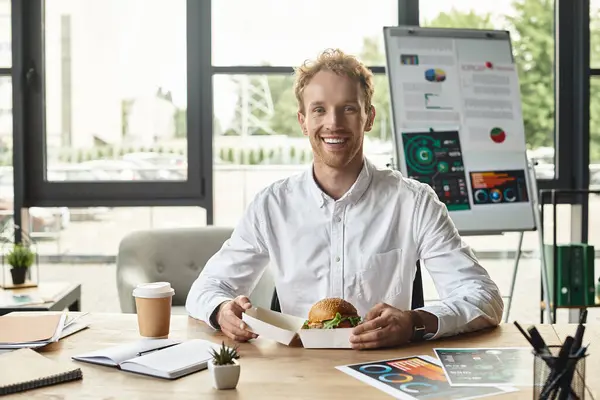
(333, 120)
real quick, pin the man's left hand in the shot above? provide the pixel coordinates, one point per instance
(384, 326)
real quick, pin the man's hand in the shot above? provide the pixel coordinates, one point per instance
(229, 318)
(384, 326)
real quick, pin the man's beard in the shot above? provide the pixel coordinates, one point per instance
(338, 159)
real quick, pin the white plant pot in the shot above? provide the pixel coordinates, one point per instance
(224, 376)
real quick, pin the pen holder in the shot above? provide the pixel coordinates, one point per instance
(549, 381)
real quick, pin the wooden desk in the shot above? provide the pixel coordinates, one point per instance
(269, 370)
(61, 295)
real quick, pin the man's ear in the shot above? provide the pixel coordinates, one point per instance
(370, 119)
(302, 122)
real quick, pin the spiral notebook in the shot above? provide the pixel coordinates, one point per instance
(25, 369)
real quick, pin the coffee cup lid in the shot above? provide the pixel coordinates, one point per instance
(153, 290)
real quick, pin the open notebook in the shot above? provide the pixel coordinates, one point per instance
(162, 358)
(25, 369)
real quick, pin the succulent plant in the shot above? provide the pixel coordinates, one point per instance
(225, 355)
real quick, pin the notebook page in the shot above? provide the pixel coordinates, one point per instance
(117, 354)
(192, 354)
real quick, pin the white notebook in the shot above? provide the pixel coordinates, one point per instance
(162, 358)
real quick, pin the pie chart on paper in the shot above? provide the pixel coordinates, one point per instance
(498, 135)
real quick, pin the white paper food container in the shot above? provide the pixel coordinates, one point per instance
(285, 328)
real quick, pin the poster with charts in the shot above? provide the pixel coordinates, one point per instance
(455, 92)
(415, 377)
(487, 366)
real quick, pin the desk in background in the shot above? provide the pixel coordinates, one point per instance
(269, 370)
(63, 295)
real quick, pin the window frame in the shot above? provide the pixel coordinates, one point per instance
(31, 189)
(29, 127)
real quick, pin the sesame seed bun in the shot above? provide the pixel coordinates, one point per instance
(326, 309)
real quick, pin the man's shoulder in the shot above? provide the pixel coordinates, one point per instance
(281, 188)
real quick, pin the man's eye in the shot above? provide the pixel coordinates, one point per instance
(350, 108)
(319, 110)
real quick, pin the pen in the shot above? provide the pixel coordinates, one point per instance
(538, 342)
(141, 353)
(524, 334)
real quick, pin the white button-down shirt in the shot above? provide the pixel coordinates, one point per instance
(363, 247)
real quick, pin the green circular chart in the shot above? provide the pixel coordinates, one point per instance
(419, 154)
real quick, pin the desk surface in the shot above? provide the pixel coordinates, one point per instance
(269, 370)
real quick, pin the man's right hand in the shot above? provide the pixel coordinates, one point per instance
(229, 318)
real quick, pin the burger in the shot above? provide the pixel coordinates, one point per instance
(332, 313)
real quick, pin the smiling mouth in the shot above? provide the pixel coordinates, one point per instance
(334, 140)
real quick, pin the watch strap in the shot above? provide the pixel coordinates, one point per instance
(419, 331)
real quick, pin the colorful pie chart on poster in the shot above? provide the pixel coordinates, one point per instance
(498, 135)
(435, 75)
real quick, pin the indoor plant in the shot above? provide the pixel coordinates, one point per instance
(20, 258)
(224, 367)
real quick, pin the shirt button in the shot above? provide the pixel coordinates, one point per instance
(337, 219)
(337, 259)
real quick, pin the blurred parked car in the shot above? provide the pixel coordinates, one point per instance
(165, 166)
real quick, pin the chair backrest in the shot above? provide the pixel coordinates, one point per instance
(417, 301)
(173, 255)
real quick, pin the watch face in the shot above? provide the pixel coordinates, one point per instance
(418, 333)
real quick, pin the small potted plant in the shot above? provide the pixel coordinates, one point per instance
(224, 367)
(20, 258)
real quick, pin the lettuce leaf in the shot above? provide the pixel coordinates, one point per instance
(332, 323)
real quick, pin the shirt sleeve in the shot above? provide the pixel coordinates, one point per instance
(234, 270)
(469, 299)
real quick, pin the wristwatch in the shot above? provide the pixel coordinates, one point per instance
(418, 327)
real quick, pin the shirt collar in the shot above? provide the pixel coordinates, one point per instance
(352, 195)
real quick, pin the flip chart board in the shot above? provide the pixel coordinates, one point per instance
(458, 124)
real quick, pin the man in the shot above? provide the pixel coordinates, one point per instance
(347, 229)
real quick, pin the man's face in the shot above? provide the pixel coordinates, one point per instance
(334, 118)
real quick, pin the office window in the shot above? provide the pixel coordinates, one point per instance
(6, 132)
(116, 90)
(595, 33)
(531, 24)
(266, 32)
(595, 132)
(64, 231)
(5, 34)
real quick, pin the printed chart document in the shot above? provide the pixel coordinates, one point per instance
(487, 366)
(429, 82)
(416, 377)
(162, 358)
(493, 118)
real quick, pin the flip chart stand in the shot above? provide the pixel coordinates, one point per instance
(537, 213)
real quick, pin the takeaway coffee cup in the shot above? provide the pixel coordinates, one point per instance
(153, 303)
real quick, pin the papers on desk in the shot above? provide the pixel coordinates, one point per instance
(161, 358)
(32, 331)
(487, 366)
(10, 300)
(36, 330)
(416, 377)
